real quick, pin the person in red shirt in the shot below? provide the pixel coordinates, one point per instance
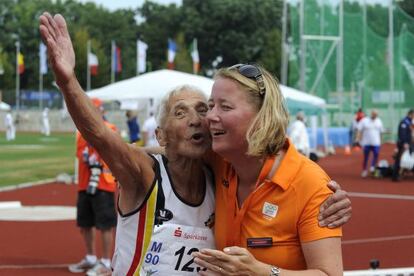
(95, 204)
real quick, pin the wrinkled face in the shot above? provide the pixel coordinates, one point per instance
(185, 131)
(230, 116)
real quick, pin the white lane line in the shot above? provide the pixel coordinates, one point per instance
(379, 239)
(31, 266)
(384, 196)
(28, 184)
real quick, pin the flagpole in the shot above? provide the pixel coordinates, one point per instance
(137, 57)
(88, 70)
(17, 77)
(113, 61)
(40, 79)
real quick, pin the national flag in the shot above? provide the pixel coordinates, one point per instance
(42, 58)
(116, 56)
(141, 56)
(172, 49)
(20, 63)
(93, 63)
(1, 62)
(195, 56)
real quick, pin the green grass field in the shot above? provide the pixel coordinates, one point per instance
(33, 157)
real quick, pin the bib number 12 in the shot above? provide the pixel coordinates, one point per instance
(188, 265)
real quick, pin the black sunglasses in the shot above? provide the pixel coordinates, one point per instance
(252, 72)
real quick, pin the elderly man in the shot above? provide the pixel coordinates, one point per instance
(166, 202)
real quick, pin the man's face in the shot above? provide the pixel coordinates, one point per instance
(185, 131)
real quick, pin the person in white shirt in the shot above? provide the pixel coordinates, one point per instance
(45, 122)
(10, 129)
(299, 135)
(369, 137)
(148, 131)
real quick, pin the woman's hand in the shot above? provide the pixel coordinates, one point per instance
(231, 261)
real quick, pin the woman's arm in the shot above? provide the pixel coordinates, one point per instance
(131, 166)
(323, 257)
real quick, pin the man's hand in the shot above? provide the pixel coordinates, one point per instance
(55, 35)
(337, 209)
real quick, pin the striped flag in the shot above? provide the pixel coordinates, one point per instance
(141, 56)
(195, 56)
(93, 63)
(1, 62)
(42, 58)
(116, 58)
(172, 49)
(20, 62)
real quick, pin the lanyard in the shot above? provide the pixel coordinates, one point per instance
(235, 215)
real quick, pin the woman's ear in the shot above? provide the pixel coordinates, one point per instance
(159, 133)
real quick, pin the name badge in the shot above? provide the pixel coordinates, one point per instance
(259, 242)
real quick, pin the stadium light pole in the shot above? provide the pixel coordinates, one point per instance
(391, 64)
(285, 46)
(302, 46)
(340, 61)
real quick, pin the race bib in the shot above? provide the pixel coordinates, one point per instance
(170, 249)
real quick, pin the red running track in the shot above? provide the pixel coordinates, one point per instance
(381, 228)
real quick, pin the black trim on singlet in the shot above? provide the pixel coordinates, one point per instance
(165, 161)
(157, 179)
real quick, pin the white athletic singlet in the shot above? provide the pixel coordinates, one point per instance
(159, 237)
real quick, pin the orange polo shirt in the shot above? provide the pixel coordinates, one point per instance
(279, 215)
(106, 180)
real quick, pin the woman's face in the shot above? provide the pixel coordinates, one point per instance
(185, 132)
(230, 116)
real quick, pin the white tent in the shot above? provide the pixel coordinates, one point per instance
(4, 106)
(154, 85)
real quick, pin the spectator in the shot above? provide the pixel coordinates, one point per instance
(299, 135)
(359, 115)
(45, 122)
(133, 127)
(369, 137)
(95, 205)
(404, 142)
(148, 131)
(10, 128)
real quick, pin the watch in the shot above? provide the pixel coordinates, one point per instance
(274, 271)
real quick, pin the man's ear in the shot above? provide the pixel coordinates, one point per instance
(159, 133)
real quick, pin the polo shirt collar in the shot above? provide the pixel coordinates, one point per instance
(288, 168)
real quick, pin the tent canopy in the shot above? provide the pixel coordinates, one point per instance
(4, 106)
(154, 85)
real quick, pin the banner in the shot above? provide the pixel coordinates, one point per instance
(20, 62)
(172, 49)
(93, 63)
(42, 58)
(195, 56)
(141, 56)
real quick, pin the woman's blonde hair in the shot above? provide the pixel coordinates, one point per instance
(267, 133)
(164, 106)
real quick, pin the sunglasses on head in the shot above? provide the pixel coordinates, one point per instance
(252, 72)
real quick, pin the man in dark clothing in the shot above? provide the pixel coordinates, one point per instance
(404, 142)
(133, 127)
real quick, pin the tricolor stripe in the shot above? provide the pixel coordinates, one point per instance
(145, 230)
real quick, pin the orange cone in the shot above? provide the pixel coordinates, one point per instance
(347, 150)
